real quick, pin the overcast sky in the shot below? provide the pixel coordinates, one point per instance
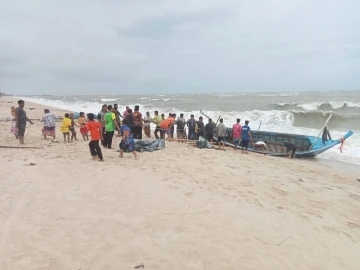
(178, 46)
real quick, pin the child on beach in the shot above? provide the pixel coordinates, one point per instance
(96, 135)
(65, 127)
(72, 128)
(14, 129)
(82, 124)
(127, 142)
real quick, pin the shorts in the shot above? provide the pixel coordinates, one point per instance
(166, 131)
(21, 129)
(244, 144)
(236, 141)
(66, 133)
(83, 130)
(221, 139)
(209, 137)
(293, 150)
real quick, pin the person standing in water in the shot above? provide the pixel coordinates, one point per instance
(21, 119)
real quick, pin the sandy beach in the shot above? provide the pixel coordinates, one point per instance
(178, 208)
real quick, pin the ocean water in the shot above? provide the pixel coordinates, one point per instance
(290, 112)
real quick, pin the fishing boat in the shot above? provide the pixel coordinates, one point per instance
(307, 146)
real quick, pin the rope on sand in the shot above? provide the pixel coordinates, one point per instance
(28, 131)
(20, 147)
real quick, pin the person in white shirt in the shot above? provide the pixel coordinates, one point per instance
(147, 121)
(260, 145)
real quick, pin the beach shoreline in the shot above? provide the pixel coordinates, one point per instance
(177, 208)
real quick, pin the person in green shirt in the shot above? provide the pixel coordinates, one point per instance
(157, 120)
(110, 124)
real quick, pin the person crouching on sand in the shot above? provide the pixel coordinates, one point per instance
(65, 127)
(72, 128)
(260, 145)
(290, 147)
(127, 143)
(96, 136)
(82, 124)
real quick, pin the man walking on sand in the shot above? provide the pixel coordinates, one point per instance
(21, 119)
(157, 120)
(110, 126)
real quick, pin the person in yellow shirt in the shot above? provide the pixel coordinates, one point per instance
(65, 127)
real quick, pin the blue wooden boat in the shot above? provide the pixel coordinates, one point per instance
(308, 146)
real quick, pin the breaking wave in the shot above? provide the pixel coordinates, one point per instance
(343, 106)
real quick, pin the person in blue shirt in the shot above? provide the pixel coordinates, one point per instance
(245, 136)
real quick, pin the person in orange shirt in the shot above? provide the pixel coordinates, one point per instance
(166, 124)
(96, 135)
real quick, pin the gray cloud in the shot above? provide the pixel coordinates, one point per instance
(107, 46)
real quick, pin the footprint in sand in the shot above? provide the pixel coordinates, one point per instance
(279, 192)
(330, 229)
(303, 217)
(314, 214)
(353, 225)
(350, 237)
(355, 197)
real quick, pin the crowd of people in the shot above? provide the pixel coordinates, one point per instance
(130, 124)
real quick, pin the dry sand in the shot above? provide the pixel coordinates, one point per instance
(179, 208)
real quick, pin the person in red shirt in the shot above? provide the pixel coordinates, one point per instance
(236, 133)
(96, 135)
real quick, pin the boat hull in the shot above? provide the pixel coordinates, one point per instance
(308, 146)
